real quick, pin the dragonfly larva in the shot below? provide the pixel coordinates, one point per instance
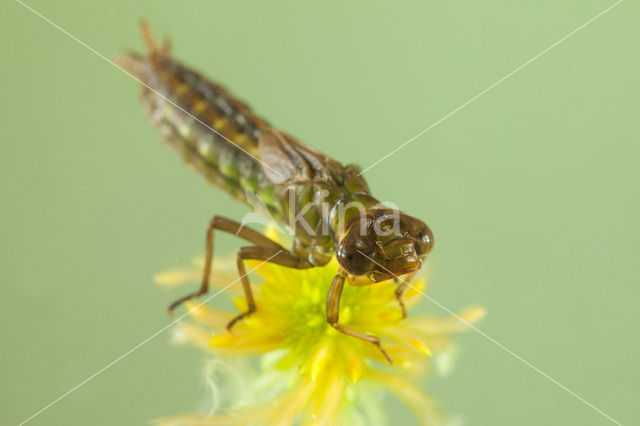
(327, 205)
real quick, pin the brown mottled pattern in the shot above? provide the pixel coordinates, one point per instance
(224, 164)
(182, 104)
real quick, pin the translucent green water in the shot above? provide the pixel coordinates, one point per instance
(531, 190)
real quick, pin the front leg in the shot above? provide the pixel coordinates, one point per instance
(333, 315)
(402, 286)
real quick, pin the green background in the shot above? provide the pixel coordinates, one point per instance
(531, 190)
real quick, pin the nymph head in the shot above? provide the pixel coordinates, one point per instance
(382, 243)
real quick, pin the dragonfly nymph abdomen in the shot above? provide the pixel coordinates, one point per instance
(328, 206)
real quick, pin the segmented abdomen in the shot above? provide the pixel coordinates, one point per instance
(215, 133)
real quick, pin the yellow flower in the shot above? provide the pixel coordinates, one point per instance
(309, 373)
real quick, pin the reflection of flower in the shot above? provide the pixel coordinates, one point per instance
(308, 372)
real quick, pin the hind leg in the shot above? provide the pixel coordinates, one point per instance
(266, 254)
(232, 227)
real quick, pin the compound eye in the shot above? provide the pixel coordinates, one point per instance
(354, 255)
(358, 263)
(425, 240)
